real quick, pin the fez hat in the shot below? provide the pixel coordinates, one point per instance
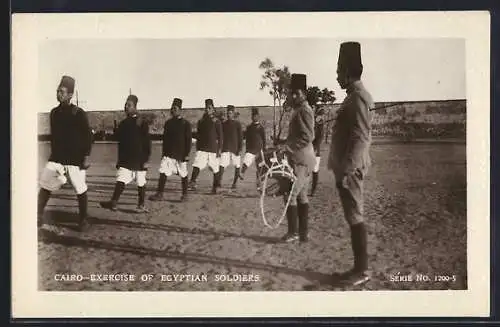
(177, 102)
(68, 82)
(255, 111)
(230, 107)
(209, 102)
(133, 98)
(350, 56)
(298, 82)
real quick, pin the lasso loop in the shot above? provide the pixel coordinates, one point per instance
(283, 170)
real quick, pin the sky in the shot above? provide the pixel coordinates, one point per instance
(227, 70)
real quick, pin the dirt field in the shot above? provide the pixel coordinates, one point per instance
(415, 208)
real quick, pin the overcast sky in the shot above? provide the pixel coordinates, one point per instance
(227, 69)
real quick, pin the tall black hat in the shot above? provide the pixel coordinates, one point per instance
(68, 82)
(298, 82)
(177, 102)
(230, 107)
(255, 111)
(133, 98)
(350, 56)
(209, 102)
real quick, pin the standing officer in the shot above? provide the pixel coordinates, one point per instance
(349, 157)
(318, 138)
(300, 153)
(134, 150)
(208, 145)
(233, 143)
(177, 138)
(70, 146)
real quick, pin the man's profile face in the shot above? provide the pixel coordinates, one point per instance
(298, 97)
(130, 107)
(209, 110)
(342, 78)
(230, 114)
(176, 111)
(63, 95)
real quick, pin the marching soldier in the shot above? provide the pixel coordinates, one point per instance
(177, 138)
(134, 150)
(318, 138)
(209, 140)
(300, 154)
(70, 145)
(349, 157)
(255, 142)
(233, 142)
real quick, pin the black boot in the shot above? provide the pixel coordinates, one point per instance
(291, 216)
(242, 173)
(119, 187)
(236, 177)
(161, 188)
(314, 183)
(359, 274)
(303, 212)
(43, 198)
(215, 182)
(194, 176)
(82, 211)
(184, 182)
(141, 192)
(219, 177)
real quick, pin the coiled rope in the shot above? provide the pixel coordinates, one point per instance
(276, 169)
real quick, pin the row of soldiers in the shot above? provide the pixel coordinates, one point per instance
(220, 144)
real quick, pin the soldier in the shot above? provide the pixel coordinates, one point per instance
(70, 146)
(233, 143)
(134, 150)
(255, 142)
(300, 153)
(349, 157)
(209, 140)
(177, 138)
(318, 139)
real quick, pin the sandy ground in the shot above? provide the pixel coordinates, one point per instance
(415, 209)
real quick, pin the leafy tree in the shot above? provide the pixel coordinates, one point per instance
(313, 95)
(277, 82)
(327, 96)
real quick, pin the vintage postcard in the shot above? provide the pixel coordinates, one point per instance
(251, 165)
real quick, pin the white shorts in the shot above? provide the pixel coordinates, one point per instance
(55, 175)
(227, 158)
(248, 159)
(126, 176)
(202, 159)
(316, 167)
(169, 167)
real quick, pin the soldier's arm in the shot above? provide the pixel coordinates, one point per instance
(220, 136)
(359, 136)
(240, 138)
(263, 136)
(85, 134)
(52, 138)
(164, 139)
(189, 139)
(147, 141)
(306, 130)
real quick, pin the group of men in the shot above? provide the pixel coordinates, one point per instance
(219, 144)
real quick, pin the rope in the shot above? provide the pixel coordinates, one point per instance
(282, 170)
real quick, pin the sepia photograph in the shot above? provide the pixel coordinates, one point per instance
(214, 164)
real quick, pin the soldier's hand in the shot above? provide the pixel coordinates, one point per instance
(186, 159)
(86, 163)
(117, 166)
(145, 165)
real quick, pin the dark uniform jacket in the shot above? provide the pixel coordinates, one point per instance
(255, 136)
(300, 137)
(233, 136)
(134, 143)
(318, 137)
(177, 138)
(209, 136)
(71, 135)
(351, 135)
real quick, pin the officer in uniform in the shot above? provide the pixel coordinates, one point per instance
(318, 138)
(70, 146)
(349, 157)
(177, 139)
(209, 140)
(233, 143)
(134, 150)
(300, 153)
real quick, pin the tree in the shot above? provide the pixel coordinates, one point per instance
(313, 95)
(327, 96)
(277, 82)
